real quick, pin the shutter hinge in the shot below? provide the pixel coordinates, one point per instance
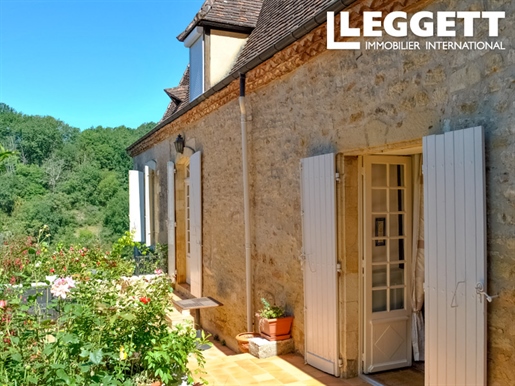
(337, 176)
(340, 363)
(174, 170)
(175, 224)
(338, 268)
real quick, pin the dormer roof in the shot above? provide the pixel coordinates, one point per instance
(279, 24)
(179, 95)
(232, 15)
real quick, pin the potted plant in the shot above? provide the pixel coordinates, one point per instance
(243, 340)
(273, 323)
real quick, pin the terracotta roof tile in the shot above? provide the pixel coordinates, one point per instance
(278, 18)
(237, 13)
(179, 95)
(275, 19)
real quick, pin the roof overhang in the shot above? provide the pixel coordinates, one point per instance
(193, 36)
(296, 34)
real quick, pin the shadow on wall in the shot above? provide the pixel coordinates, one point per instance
(321, 148)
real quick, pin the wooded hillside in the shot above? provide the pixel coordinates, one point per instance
(74, 181)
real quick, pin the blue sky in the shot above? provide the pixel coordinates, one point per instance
(92, 62)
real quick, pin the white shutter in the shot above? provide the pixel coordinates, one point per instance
(171, 218)
(136, 205)
(148, 205)
(318, 194)
(455, 250)
(196, 224)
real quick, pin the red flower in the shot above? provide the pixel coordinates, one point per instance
(144, 300)
(52, 270)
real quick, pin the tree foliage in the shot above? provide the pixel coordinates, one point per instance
(74, 181)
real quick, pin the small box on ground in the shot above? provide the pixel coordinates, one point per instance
(262, 348)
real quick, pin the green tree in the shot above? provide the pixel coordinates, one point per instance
(116, 218)
(75, 181)
(27, 181)
(51, 209)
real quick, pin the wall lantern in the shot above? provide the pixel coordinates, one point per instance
(179, 144)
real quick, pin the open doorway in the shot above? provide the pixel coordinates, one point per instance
(392, 269)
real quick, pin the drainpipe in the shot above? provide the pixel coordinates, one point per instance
(246, 203)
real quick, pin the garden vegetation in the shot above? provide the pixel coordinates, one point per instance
(71, 310)
(76, 182)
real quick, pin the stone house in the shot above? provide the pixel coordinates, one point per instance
(367, 190)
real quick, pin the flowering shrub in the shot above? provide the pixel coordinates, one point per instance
(30, 260)
(100, 327)
(109, 332)
(62, 286)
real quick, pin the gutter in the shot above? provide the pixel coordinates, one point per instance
(296, 34)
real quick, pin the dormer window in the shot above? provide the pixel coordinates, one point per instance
(195, 43)
(215, 38)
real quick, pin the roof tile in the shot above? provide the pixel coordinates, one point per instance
(278, 18)
(240, 13)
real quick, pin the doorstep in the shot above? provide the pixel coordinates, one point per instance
(263, 348)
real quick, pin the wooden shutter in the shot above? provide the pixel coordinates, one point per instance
(171, 218)
(136, 205)
(318, 194)
(455, 250)
(196, 224)
(149, 199)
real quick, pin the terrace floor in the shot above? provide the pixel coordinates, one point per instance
(225, 367)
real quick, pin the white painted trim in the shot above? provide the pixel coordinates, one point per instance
(193, 36)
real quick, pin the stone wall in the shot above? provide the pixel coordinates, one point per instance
(351, 103)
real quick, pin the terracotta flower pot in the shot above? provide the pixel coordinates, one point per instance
(276, 329)
(243, 340)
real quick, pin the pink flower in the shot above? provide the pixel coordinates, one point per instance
(158, 271)
(62, 286)
(3, 303)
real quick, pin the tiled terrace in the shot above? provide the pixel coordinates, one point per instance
(225, 367)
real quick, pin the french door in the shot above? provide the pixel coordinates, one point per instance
(387, 258)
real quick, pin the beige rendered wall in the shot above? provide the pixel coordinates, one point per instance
(224, 49)
(350, 102)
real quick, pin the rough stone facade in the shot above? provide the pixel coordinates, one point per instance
(351, 103)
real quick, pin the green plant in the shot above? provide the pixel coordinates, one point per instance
(90, 324)
(270, 311)
(25, 260)
(94, 332)
(147, 260)
(168, 359)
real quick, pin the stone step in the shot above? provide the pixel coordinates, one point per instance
(262, 348)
